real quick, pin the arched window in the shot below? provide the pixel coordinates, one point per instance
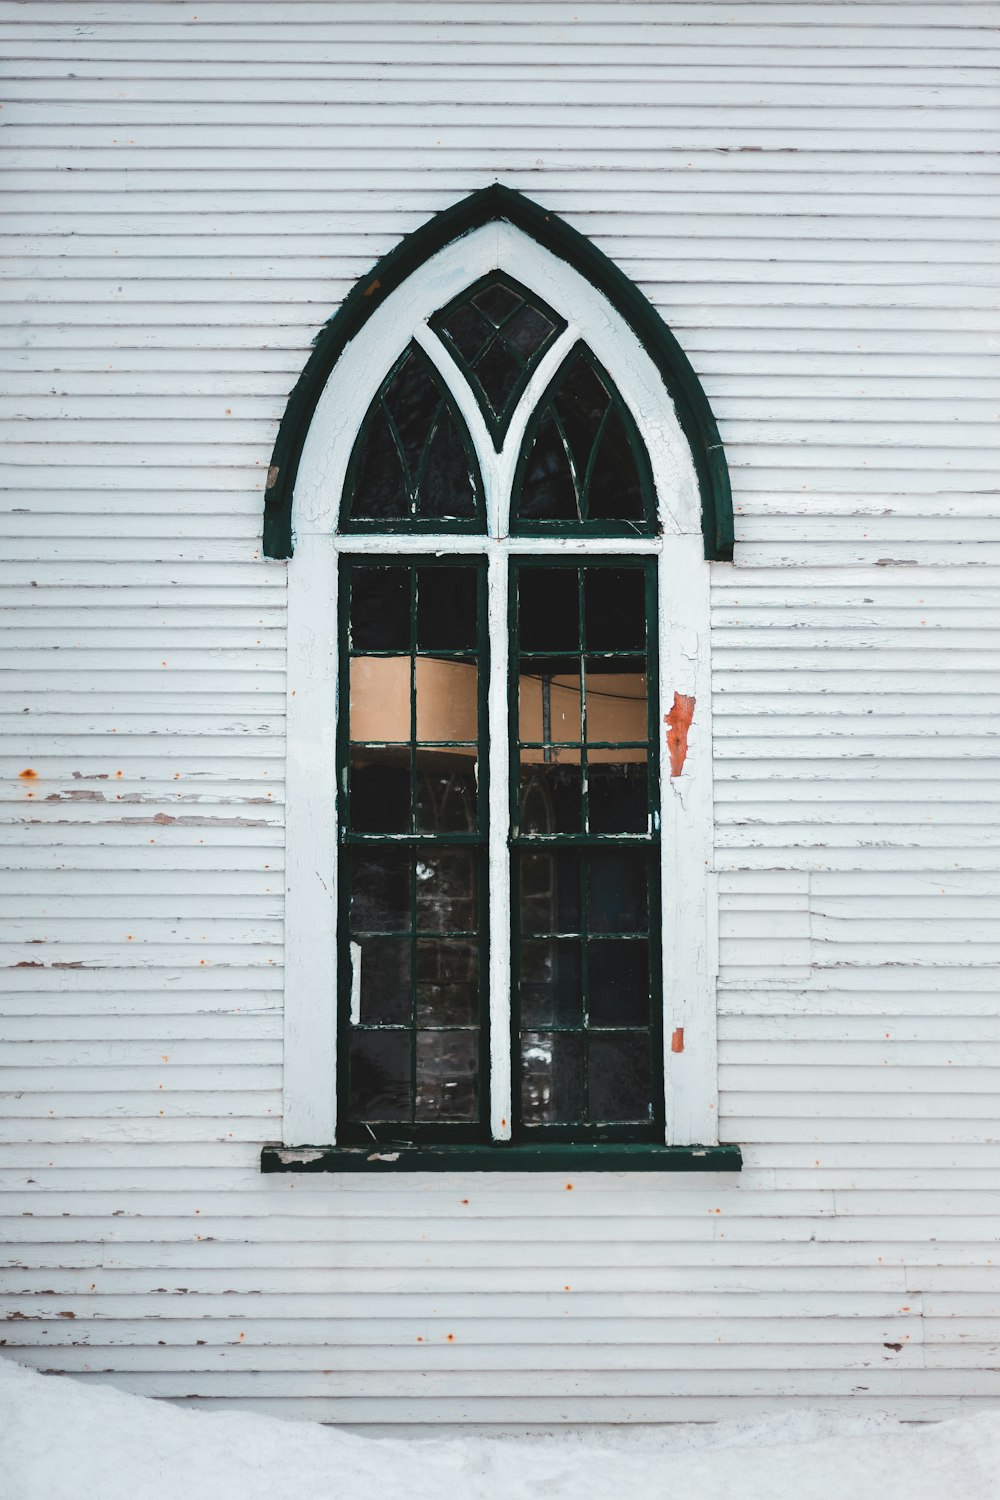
(498, 484)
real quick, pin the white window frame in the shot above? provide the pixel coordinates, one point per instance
(689, 894)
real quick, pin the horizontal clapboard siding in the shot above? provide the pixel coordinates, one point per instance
(808, 192)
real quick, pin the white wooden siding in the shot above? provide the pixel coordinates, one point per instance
(808, 193)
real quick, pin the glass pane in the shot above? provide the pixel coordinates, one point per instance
(618, 982)
(551, 987)
(618, 890)
(447, 481)
(447, 1067)
(619, 796)
(551, 1077)
(447, 983)
(380, 890)
(497, 331)
(380, 609)
(584, 460)
(380, 1075)
(620, 1077)
(551, 796)
(446, 791)
(447, 700)
(380, 790)
(380, 698)
(548, 609)
(550, 890)
(616, 702)
(446, 608)
(411, 459)
(615, 609)
(548, 703)
(380, 488)
(446, 890)
(548, 484)
(382, 973)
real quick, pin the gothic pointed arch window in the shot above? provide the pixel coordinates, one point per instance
(501, 486)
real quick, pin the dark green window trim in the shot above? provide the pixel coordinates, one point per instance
(483, 207)
(502, 1158)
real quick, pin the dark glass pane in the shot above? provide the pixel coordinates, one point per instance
(548, 491)
(551, 797)
(527, 330)
(447, 1065)
(549, 703)
(380, 890)
(446, 794)
(447, 700)
(619, 798)
(447, 487)
(551, 1077)
(380, 791)
(497, 302)
(614, 606)
(550, 890)
(581, 401)
(616, 702)
(380, 609)
(468, 330)
(614, 492)
(380, 490)
(498, 372)
(446, 890)
(618, 982)
(548, 609)
(551, 991)
(618, 890)
(412, 398)
(620, 1083)
(380, 1075)
(384, 980)
(447, 983)
(446, 608)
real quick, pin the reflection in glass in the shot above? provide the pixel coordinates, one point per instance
(383, 980)
(550, 983)
(447, 695)
(447, 1064)
(549, 705)
(551, 1077)
(549, 890)
(380, 890)
(445, 890)
(551, 796)
(447, 983)
(446, 791)
(616, 705)
(380, 699)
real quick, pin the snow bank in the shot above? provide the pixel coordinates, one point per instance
(63, 1440)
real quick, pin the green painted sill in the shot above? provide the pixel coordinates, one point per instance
(531, 1158)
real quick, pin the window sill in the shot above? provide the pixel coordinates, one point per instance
(531, 1158)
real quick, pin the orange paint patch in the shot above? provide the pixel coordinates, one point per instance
(677, 1040)
(678, 722)
(28, 774)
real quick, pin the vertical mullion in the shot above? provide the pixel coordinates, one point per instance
(498, 742)
(581, 583)
(413, 847)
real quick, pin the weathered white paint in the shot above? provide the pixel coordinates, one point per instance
(804, 190)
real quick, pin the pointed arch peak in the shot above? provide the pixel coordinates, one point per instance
(491, 204)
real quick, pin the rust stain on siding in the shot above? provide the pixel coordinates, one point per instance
(677, 1040)
(678, 722)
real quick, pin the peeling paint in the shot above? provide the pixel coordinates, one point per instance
(678, 722)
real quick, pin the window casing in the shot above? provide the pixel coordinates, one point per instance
(663, 545)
